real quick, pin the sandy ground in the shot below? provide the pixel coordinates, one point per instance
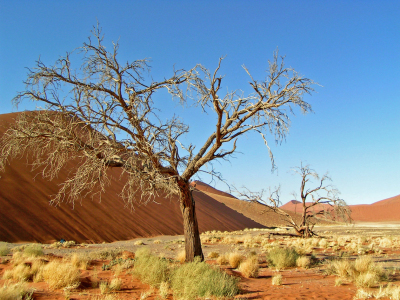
(298, 283)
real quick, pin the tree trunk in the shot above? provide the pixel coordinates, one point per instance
(190, 225)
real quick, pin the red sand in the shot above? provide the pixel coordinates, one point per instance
(26, 215)
(387, 210)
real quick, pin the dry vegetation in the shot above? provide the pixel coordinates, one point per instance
(348, 258)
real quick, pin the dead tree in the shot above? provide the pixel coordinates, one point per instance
(102, 115)
(321, 201)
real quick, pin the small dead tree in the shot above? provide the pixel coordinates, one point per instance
(322, 200)
(102, 115)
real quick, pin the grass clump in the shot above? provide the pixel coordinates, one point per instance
(4, 250)
(213, 254)
(249, 268)
(222, 259)
(282, 258)
(198, 280)
(150, 269)
(59, 275)
(15, 291)
(303, 262)
(277, 279)
(235, 259)
(80, 260)
(181, 256)
(25, 272)
(33, 250)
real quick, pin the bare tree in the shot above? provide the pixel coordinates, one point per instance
(322, 200)
(102, 115)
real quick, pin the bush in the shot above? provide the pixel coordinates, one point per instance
(150, 269)
(282, 258)
(15, 291)
(235, 259)
(4, 249)
(80, 260)
(277, 279)
(33, 250)
(249, 268)
(303, 262)
(181, 256)
(197, 279)
(222, 259)
(213, 254)
(59, 275)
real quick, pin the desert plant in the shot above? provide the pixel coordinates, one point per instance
(14, 291)
(367, 279)
(338, 281)
(115, 284)
(138, 243)
(213, 254)
(249, 268)
(103, 286)
(222, 259)
(198, 280)
(4, 250)
(277, 280)
(303, 262)
(151, 269)
(282, 258)
(235, 259)
(164, 289)
(157, 242)
(80, 260)
(33, 250)
(181, 256)
(59, 275)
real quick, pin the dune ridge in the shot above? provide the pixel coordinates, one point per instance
(26, 215)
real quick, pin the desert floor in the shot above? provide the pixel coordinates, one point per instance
(379, 241)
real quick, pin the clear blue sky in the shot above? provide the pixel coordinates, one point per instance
(351, 48)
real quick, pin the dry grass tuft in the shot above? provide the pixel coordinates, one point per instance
(277, 279)
(303, 262)
(249, 268)
(15, 291)
(164, 290)
(59, 275)
(282, 258)
(213, 254)
(222, 259)
(33, 250)
(235, 259)
(4, 250)
(181, 256)
(115, 284)
(80, 260)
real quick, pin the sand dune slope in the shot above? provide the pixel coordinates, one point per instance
(387, 210)
(25, 213)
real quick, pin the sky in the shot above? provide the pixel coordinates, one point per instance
(351, 48)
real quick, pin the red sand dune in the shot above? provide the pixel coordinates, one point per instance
(387, 210)
(25, 213)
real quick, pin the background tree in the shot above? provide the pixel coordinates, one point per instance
(322, 200)
(102, 115)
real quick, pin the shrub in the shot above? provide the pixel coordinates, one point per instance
(15, 291)
(81, 260)
(157, 242)
(197, 279)
(181, 256)
(115, 284)
(22, 272)
(235, 259)
(150, 269)
(222, 259)
(367, 279)
(277, 279)
(4, 250)
(249, 268)
(213, 254)
(59, 275)
(282, 258)
(164, 290)
(33, 250)
(303, 262)
(138, 243)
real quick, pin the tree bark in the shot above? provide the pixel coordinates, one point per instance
(190, 225)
